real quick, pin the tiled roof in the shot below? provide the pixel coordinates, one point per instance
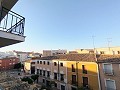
(78, 57)
(70, 57)
(108, 58)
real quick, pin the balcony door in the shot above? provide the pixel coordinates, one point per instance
(85, 81)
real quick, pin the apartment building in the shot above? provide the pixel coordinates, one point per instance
(82, 71)
(108, 50)
(11, 24)
(8, 63)
(109, 68)
(67, 71)
(26, 55)
(53, 52)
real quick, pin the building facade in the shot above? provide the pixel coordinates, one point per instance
(109, 68)
(68, 71)
(108, 50)
(8, 63)
(53, 52)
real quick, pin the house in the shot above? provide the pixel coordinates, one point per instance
(8, 63)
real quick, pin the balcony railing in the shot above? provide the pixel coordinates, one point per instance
(108, 72)
(11, 22)
(108, 88)
(74, 83)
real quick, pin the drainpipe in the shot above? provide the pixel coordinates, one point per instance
(77, 72)
(99, 80)
(58, 71)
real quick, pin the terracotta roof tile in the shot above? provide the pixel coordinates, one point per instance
(108, 58)
(78, 57)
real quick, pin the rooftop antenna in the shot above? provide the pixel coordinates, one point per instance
(109, 41)
(93, 42)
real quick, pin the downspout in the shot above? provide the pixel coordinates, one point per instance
(99, 80)
(58, 71)
(77, 72)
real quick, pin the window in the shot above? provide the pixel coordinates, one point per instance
(44, 62)
(107, 68)
(55, 64)
(118, 52)
(62, 87)
(55, 84)
(43, 72)
(73, 68)
(85, 81)
(48, 63)
(110, 85)
(73, 79)
(55, 76)
(102, 52)
(37, 62)
(61, 64)
(73, 88)
(40, 62)
(84, 69)
(32, 62)
(48, 73)
(62, 77)
(43, 80)
(40, 72)
(37, 71)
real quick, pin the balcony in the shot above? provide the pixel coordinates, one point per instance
(11, 27)
(108, 72)
(108, 88)
(74, 83)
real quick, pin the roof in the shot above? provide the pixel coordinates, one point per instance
(78, 57)
(70, 57)
(108, 58)
(45, 58)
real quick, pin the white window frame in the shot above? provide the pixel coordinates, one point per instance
(105, 64)
(111, 80)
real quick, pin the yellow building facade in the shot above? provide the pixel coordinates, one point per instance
(82, 74)
(69, 71)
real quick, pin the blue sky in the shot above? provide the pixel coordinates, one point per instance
(68, 24)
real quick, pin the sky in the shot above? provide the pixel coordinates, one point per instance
(68, 24)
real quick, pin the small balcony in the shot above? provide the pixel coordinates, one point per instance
(108, 88)
(108, 72)
(11, 27)
(74, 83)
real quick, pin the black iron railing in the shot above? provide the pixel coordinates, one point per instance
(11, 22)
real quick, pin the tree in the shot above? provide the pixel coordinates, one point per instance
(35, 77)
(27, 79)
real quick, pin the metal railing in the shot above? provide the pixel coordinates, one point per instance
(108, 88)
(108, 72)
(11, 22)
